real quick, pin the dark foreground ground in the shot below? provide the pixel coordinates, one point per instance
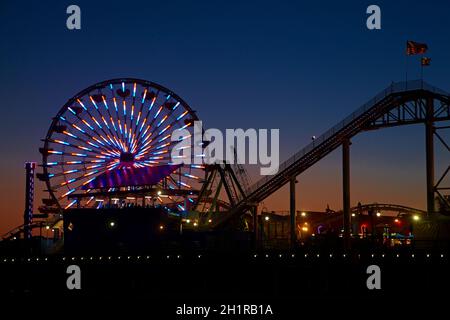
(292, 283)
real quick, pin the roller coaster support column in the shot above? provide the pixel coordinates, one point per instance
(429, 141)
(346, 190)
(293, 223)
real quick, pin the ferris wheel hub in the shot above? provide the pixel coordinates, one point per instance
(127, 157)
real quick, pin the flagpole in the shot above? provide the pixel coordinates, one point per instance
(406, 71)
(406, 67)
(421, 72)
(416, 48)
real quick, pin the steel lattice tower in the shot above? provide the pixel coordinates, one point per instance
(29, 198)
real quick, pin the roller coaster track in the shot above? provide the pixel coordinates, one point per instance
(18, 231)
(387, 207)
(400, 103)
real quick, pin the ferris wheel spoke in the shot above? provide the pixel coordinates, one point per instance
(75, 171)
(138, 118)
(191, 176)
(148, 149)
(106, 146)
(88, 176)
(159, 153)
(170, 125)
(72, 163)
(126, 114)
(120, 132)
(102, 117)
(133, 125)
(100, 146)
(122, 114)
(145, 136)
(153, 98)
(97, 122)
(179, 183)
(62, 179)
(72, 154)
(133, 112)
(156, 115)
(76, 200)
(90, 152)
(172, 106)
(148, 135)
(70, 204)
(152, 132)
(163, 130)
(96, 148)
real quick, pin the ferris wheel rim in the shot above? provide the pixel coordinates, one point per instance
(84, 92)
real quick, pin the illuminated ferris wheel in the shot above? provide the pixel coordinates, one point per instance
(112, 143)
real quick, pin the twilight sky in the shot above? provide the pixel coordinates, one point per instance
(300, 66)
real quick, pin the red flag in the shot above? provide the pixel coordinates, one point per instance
(413, 48)
(425, 61)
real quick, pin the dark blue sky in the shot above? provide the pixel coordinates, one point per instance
(300, 66)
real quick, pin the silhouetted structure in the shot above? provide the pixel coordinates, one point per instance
(29, 198)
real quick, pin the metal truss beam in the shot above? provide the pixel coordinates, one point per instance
(439, 188)
(413, 111)
(399, 104)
